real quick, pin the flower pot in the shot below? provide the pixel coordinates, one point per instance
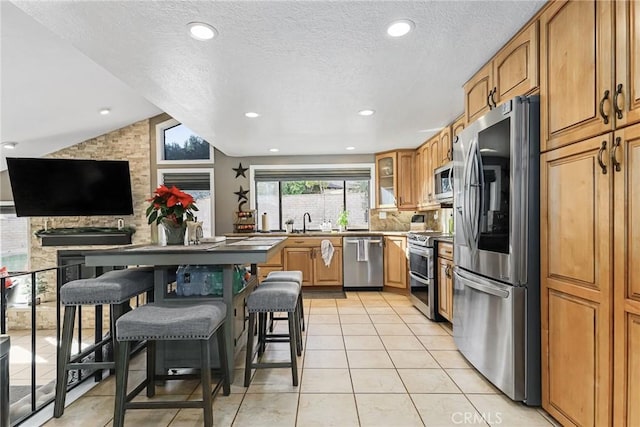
(289, 228)
(173, 233)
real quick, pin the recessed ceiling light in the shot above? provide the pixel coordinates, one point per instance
(366, 112)
(252, 115)
(273, 150)
(9, 145)
(201, 31)
(350, 148)
(105, 111)
(400, 28)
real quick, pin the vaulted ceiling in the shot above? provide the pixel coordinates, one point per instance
(307, 67)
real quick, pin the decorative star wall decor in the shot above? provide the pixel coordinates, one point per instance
(242, 194)
(240, 170)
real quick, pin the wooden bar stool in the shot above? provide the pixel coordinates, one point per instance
(115, 288)
(164, 322)
(276, 297)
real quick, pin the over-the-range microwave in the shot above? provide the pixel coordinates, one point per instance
(443, 183)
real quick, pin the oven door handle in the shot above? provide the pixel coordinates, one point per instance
(418, 278)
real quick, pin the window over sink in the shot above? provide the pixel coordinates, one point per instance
(287, 193)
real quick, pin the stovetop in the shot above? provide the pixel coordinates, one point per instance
(424, 238)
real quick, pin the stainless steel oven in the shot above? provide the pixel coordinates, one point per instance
(424, 291)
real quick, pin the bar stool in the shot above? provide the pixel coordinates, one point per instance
(163, 322)
(294, 276)
(115, 288)
(276, 297)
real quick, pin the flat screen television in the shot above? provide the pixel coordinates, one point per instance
(70, 187)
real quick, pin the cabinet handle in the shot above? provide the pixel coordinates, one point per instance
(493, 92)
(602, 114)
(447, 271)
(603, 147)
(400, 200)
(617, 109)
(489, 100)
(616, 164)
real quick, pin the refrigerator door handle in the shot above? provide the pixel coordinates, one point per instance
(481, 284)
(465, 197)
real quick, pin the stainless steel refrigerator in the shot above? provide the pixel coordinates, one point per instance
(496, 319)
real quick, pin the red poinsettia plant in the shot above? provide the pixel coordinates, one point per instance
(171, 204)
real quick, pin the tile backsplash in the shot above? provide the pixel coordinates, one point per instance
(401, 220)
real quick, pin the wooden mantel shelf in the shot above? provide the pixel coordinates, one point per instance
(85, 236)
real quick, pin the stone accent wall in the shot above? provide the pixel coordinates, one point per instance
(129, 143)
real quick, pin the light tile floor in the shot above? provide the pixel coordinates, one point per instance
(369, 360)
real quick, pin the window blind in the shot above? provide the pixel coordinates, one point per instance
(312, 174)
(188, 181)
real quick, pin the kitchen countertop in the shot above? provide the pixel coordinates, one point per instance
(317, 233)
(446, 239)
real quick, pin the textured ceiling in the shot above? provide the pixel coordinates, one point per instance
(307, 67)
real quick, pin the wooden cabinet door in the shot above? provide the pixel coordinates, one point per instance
(626, 275)
(445, 147)
(445, 288)
(395, 262)
(576, 46)
(386, 179)
(515, 67)
(434, 150)
(426, 171)
(327, 275)
(300, 259)
(406, 179)
(476, 93)
(575, 248)
(627, 81)
(457, 127)
(419, 176)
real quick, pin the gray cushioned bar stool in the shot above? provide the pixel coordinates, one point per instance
(294, 276)
(163, 322)
(115, 288)
(276, 297)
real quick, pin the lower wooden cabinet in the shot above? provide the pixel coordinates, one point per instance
(445, 280)
(395, 262)
(305, 254)
(273, 264)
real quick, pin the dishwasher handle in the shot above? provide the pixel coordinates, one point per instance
(357, 240)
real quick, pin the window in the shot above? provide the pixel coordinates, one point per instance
(285, 194)
(176, 143)
(14, 239)
(198, 183)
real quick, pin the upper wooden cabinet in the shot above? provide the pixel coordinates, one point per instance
(445, 146)
(576, 83)
(627, 78)
(457, 127)
(395, 179)
(512, 71)
(476, 93)
(515, 67)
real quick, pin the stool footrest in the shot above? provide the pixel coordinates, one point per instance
(161, 404)
(91, 349)
(271, 365)
(91, 365)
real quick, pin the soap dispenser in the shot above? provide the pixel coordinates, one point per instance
(450, 223)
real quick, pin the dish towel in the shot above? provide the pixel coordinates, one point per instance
(326, 247)
(362, 253)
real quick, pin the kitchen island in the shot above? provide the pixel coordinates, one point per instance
(226, 254)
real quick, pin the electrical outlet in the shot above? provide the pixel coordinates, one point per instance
(382, 215)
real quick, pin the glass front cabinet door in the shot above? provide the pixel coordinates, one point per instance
(386, 179)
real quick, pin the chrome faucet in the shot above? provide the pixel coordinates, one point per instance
(304, 224)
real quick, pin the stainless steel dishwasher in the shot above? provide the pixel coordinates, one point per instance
(362, 262)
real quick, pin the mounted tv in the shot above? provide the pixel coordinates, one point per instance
(69, 187)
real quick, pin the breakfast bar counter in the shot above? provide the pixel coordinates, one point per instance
(226, 254)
